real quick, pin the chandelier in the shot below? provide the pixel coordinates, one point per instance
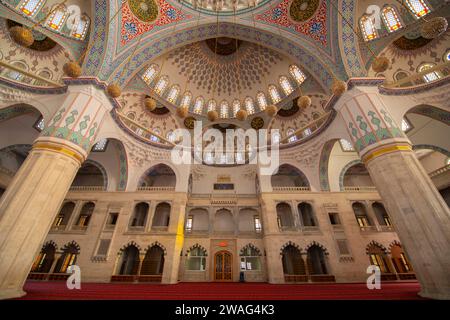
(224, 5)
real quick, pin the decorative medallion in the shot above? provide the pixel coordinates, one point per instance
(303, 10)
(144, 10)
(189, 122)
(257, 123)
(289, 110)
(223, 46)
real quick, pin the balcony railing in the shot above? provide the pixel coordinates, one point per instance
(439, 171)
(86, 188)
(292, 189)
(156, 189)
(361, 189)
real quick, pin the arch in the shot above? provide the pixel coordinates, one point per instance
(323, 164)
(246, 219)
(251, 247)
(287, 244)
(159, 175)
(357, 168)
(91, 173)
(292, 262)
(399, 259)
(432, 112)
(377, 256)
(69, 257)
(199, 220)
(130, 260)
(316, 261)
(66, 211)
(13, 156)
(131, 243)
(250, 258)
(161, 217)
(381, 214)
(196, 246)
(285, 217)
(306, 214)
(360, 211)
(196, 258)
(289, 176)
(224, 221)
(140, 214)
(44, 261)
(317, 244)
(19, 109)
(374, 243)
(153, 263)
(157, 244)
(434, 148)
(85, 215)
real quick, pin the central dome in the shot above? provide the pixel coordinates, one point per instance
(224, 6)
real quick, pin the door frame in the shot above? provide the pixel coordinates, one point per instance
(215, 264)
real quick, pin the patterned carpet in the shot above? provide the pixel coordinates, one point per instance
(221, 291)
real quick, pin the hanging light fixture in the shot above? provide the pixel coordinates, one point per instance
(212, 114)
(150, 104)
(23, 35)
(271, 110)
(304, 102)
(242, 114)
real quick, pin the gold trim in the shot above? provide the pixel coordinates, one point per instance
(385, 150)
(59, 149)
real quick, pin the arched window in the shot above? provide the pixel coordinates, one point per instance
(161, 217)
(381, 214)
(198, 106)
(44, 74)
(186, 100)
(224, 108)
(64, 214)
(400, 75)
(286, 85)
(378, 257)
(284, 216)
(418, 8)
(361, 214)
(297, 74)
(250, 259)
(130, 261)
(100, 146)
(249, 105)
(429, 77)
(58, 17)
(150, 74)
(161, 85)
(16, 75)
(80, 30)
(153, 263)
(236, 107)
(262, 101)
(171, 136)
(155, 137)
(399, 260)
(447, 56)
(44, 261)
(368, 28)
(289, 133)
(140, 214)
(67, 259)
(31, 7)
(173, 94)
(276, 137)
(316, 261)
(196, 259)
(306, 213)
(212, 105)
(346, 145)
(274, 94)
(85, 215)
(391, 19)
(293, 264)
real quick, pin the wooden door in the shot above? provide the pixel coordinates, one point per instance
(223, 262)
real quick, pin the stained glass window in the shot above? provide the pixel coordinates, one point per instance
(289, 133)
(31, 7)
(406, 126)
(186, 100)
(40, 124)
(276, 137)
(307, 132)
(161, 85)
(368, 28)
(80, 29)
(429, 77)
(150, 74)
(100, 146)
(391, 19)
(346, 145)
(171, 136)
(274, 94)
(173, 94)
(198, 106)
(57, 18)
(249, 105)
(286, 85)
(262, 101)
(212, 104)
(236, 107)
(418, 7)
(155, 138)
(224, 107)
(297, 74)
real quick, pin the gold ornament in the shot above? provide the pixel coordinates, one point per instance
(380, 64)
(22, 35)
(271, 110)
(241, 115)
(434, 28)
(304, 102)
(182, 112)
(150, 104)
(339, 87)
(72, 69)
(114, 90)
(213, 115)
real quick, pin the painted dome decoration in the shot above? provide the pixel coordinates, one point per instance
(303, 10)
(144, 10)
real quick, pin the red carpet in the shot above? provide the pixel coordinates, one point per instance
(221, 291)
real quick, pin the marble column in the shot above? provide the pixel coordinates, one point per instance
(32, 200)
(420, 215)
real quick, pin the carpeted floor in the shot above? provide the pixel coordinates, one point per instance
(221, 291)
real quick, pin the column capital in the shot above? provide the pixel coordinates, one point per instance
(385, 149)
(63, 147)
